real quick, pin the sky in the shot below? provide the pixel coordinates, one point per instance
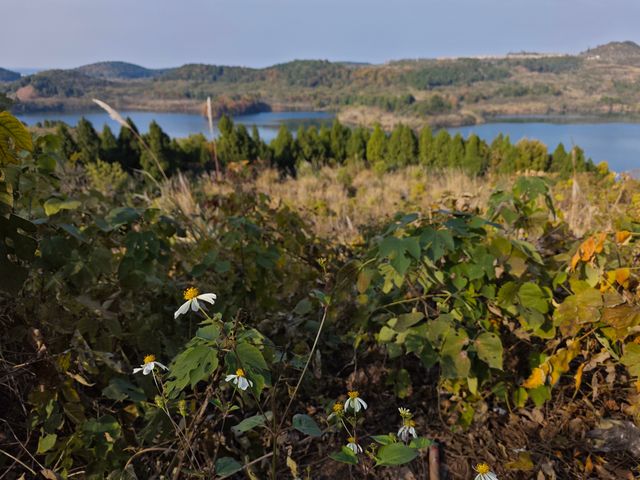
(258, 33)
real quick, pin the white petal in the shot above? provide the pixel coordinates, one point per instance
(347, 404)
(195, 306)
(412, 431)
(250, 383)
(136, 370)
(207, 297)
(147, 368)
(230, 377)
(362, 402)
(184, 308)
(492, 476)
(161, 365)
(243, 383)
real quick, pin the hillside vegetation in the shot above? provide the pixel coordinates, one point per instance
(603, 81)
(379, 316)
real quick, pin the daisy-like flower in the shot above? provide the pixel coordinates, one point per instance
(484, 472)
(408, 425)
(149, 363)
(239, 380)
(355, 402)
(192, 295)
(338, 411)
(407, 428)
(352, 443)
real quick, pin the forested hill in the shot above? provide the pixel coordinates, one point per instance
(8, 75)
(602, 81)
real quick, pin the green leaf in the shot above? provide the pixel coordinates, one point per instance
(532, 296)
(395, 454)
(345, 455)
(251, 356)
(489, 348)
(384, 439)
(252, 422)
(307, 425)
(227, 466)
(47, 442)
(420, 443)
(14, 137)
(54, 205)
(631, 358)
(120, 389)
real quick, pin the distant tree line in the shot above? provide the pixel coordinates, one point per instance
(316, 147)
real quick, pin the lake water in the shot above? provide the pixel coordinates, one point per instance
(184, 124)
(616, 143)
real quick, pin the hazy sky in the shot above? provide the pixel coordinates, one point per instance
(160, 33)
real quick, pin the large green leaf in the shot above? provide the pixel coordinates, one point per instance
(46, 442)
(489, 348)
(532, 296)
(14, 137)
(227, 466)
(251, 356)
(252, 422)
(307, 425)
(54, 205)
(395, 454)
(345, 455)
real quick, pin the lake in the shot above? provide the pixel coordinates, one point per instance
(184, 124)
(617, 143)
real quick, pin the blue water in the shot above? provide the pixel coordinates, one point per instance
(184, 124)
(616, 143)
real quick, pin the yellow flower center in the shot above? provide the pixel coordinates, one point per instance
(482, 468)
(191, 293)
(149, 359)
(353, 394)
(351, 440)
(240, 372)
(410, 423)
(338, 407)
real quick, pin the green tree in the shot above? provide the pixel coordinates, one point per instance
(284, 151)
(129, 148)
(532, 155)
(425, 146)
(503, 155)
(88, 141)
(560, 160)
(357, 145)
(159, 153)
(440, 150)
(377, 146)
(402, 148)
(456, 152)
(475, 156)
(69, 145)
(108, 145)
(339, 140)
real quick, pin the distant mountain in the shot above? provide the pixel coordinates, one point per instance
(118, 70)
(8, 75)
(616, 52)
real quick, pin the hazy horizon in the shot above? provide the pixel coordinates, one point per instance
(255, 33)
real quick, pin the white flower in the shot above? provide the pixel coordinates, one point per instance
(354, 401)
(192, 295)
(149, 364)
(353, 445)
(484, 472)
(239, 380)
(407, 429)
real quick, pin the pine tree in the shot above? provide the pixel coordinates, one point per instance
(560, 160)
(88, 141)
(284, 151)
(402, 147)
(456, 152)
(440, 150)
(69, 145)
(357, 145)
(129, 147)
(475, 160)
(377, 146)
(160, 152)
(425, 146)
(108, 145)
(339, 139)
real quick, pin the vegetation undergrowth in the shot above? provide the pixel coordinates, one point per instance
(200, 327)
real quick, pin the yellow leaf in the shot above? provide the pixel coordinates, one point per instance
(560, 363)
(536, 379)
(575, 259)
(622, 236)
(600, 242)
(293, 467)
(578, 376)
(523, 463)
(622, 276)
(588, 465)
